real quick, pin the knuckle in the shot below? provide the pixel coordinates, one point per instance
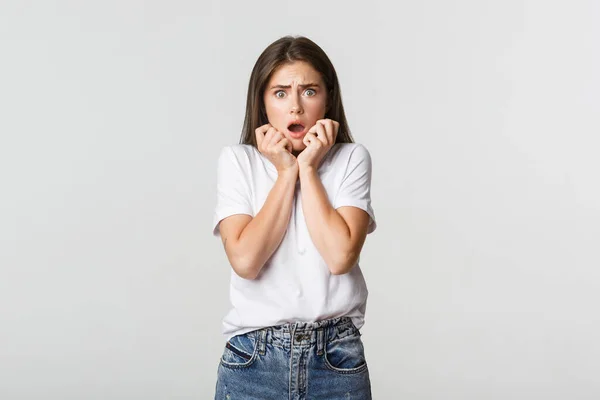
(261, 128)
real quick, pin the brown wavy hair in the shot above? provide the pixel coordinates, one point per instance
(287, 50)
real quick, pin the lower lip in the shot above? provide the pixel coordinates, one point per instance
(297, 135)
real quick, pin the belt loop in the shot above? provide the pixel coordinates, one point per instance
(320, 341)
(262, 343)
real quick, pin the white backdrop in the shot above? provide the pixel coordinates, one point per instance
(482, 119)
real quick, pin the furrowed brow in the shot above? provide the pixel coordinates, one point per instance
(289, 86)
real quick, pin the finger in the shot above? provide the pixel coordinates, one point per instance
(275, 138)
(289, 146)
(268, 137)
(260, 133)
(329, 129)
(309, 138)
(286, 144)
(332, 131)
(336, 129)
(313, 129)
(322, 134)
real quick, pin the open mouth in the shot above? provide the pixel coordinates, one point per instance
(296, 128)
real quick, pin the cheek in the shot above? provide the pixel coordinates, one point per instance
(275, 111)
(317, 108)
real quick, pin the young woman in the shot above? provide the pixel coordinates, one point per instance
(293, 211)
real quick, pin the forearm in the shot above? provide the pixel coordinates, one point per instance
(328, 230)
(263, 234)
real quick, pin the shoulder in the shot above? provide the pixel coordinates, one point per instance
(238, 150)
(246, 158)
(351, 153)
(239, 153)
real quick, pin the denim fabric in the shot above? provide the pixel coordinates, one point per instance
(295, 361)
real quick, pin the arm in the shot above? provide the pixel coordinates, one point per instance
(339, 235)
(250, 242)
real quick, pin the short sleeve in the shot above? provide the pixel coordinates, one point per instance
(233, 190)
(355, 189)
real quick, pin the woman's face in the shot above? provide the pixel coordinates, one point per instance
(295, 99)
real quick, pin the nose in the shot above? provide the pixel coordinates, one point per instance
(295, 106)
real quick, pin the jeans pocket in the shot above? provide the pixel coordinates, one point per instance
(346, 355)
(240, 351)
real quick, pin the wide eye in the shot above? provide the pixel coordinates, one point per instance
(278, 93)
(310, 92)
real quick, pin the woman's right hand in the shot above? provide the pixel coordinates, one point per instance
(277, 148)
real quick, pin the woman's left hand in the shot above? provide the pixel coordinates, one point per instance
(318, 140)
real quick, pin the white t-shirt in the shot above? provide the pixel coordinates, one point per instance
(295, 283)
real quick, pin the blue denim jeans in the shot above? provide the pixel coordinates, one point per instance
(295, 361)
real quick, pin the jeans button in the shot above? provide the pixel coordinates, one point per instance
(299, 338)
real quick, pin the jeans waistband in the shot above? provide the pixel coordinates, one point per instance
(306, 333)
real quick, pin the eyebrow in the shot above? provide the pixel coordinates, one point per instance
(288, 86)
